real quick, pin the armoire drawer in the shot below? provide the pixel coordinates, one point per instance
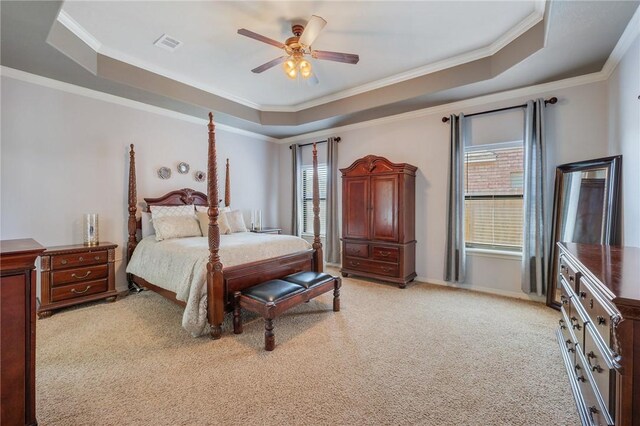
(356, 250)
(381, 268)
(386, 254)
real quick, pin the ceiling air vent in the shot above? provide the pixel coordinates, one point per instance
(168, 43)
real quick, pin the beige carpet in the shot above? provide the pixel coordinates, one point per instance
(425, 355)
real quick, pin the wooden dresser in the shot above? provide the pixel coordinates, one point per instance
(378, 220)
(18, 331)
(599, 332)
(76, 274)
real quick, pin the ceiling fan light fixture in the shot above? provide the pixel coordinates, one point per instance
(290, 68)
(305, 68)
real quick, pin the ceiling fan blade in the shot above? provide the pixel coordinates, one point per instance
(256, 36)
(312, 30)
(347, 58)
(269, 64)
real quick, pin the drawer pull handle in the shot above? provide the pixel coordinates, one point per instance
(601, 320)
(63, 262)
(596, 367)
(583, 295)
(385, 269)
(79, 278)
(73, 290)
(96, 258)
(569, 348)
(81, 258)
(352, 263)
(593, 410)
(571, 278)
(562, 268)
(564, 299)
(561, 323)
(575, 326)
(591, 304)
(385, 253)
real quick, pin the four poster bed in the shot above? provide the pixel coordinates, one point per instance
(218, 282)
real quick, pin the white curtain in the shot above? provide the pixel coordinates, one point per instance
(534, 242)
(332, 243)
(296, 190)
(455, 256)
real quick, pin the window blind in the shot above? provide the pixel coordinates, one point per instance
(307, 198)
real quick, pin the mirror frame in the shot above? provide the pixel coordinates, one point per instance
(611, 211)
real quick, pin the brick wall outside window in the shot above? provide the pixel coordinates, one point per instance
(493, 198)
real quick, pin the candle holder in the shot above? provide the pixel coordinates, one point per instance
(256, 220)
(90, 229)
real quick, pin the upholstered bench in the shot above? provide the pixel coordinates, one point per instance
(272, 298)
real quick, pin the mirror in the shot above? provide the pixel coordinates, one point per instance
(585, 209)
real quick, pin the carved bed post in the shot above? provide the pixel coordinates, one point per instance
(317, 244)
(215, 280)
(132, 221)
(227, 187)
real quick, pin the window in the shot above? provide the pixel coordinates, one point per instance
(493, 196)
(307, 198)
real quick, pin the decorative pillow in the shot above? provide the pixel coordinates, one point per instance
(206, 209)
(147, 227)
(163, 211)
(176, 227)
(203, 218)
(236, 221)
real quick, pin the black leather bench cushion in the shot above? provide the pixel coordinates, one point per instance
(272, 290)
(308, 279)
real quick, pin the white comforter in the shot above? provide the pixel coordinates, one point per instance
(180, 265)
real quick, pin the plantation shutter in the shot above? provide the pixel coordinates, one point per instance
(307, 198)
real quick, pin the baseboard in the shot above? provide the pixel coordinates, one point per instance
(489, 290)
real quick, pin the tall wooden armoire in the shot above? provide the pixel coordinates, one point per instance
(378, 220)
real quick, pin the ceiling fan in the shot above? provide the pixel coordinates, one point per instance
(298, 47)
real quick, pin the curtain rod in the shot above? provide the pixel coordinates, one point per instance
(311, 143)
(547, 101)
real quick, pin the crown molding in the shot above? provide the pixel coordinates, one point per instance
(624, 43)
(101, 96)
(532, 19)
(456, 106)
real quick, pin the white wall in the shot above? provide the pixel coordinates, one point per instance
(624, 137)
(64, 155)
(576, 130)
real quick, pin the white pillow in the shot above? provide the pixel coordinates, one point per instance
(236, 221)
(176, 227)
(163, 211)
(147, 226)
(206, 209)
(203, 218)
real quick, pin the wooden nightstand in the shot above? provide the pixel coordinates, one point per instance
(267, 231)
(76, 274)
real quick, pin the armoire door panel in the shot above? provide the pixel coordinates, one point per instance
(356, 211)
(384, 203)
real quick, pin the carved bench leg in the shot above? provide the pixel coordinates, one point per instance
(237, 319)
(336, 294)
(269, 338)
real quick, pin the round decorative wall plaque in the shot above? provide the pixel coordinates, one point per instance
(164, 173)
(199, 176)
(183, 168)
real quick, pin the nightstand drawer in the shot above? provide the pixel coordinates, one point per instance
(78, 275)
(78, 290)
(78, 259)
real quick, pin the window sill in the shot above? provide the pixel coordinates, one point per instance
(500, 254)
